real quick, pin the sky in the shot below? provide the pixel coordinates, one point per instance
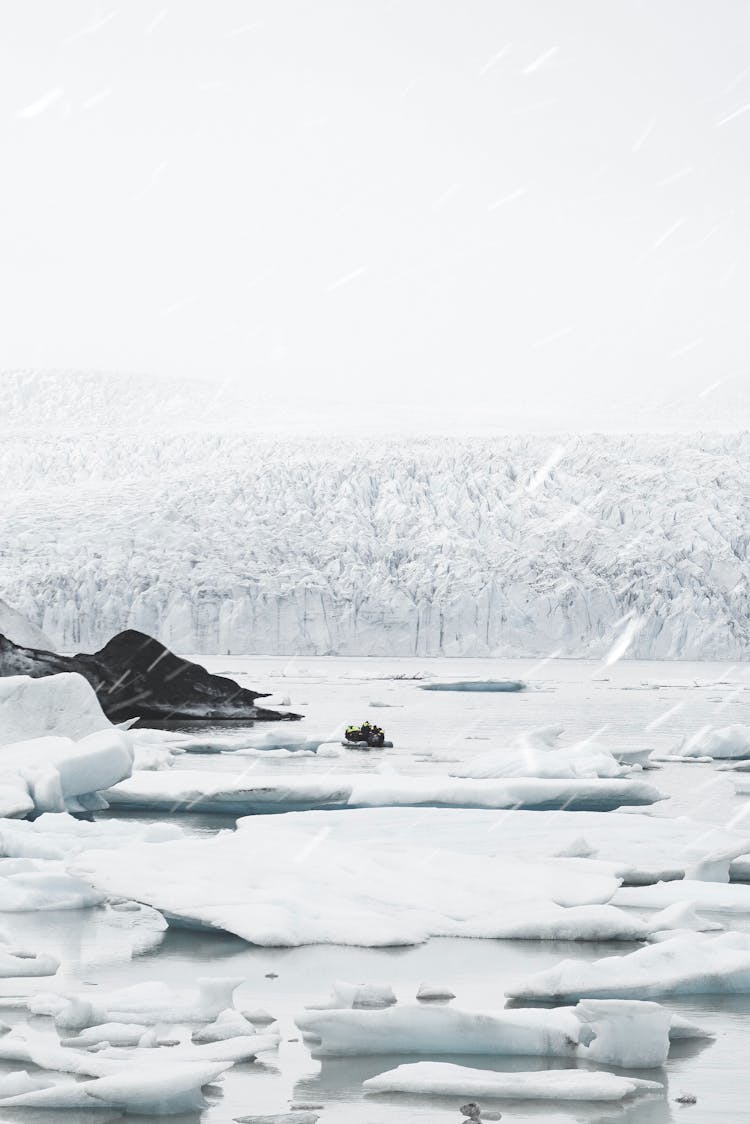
(530, 211)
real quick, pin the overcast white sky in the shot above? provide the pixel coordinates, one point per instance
(533, 208)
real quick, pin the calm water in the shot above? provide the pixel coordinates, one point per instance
(623, 704)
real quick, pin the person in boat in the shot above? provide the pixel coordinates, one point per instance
(353, 734)
(376, 737)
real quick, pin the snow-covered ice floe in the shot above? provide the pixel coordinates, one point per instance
(729, 742)
(687, 964)
(623, 1033)
(144, 1003)
(480, 686)
(157, 1089)
(57, 704)
(306, 879)
(58, 749)
(56, 774)
(446, 1079)
(251, 743)
(252, 794)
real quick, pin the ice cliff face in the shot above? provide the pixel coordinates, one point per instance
(229, 542)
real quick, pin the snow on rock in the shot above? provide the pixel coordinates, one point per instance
(628, 1034)
(58, 704)
(729, 742)
(17, 628)
(244, 795)
(447, 1079)
(687, 964)
(291, 880)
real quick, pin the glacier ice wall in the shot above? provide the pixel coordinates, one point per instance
(229, 542)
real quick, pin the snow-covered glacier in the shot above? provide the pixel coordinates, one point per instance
(217, 539)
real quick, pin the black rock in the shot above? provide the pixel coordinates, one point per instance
(136, 676)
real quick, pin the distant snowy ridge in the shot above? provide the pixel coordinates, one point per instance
(222, 542)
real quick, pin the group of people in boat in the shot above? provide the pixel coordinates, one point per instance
(373, 735)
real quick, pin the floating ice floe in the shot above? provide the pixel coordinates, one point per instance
(732, 742)
(687, 964)
(144, 1090)
(532, 760)
(230, 1023)
(59, 835)
(16, 962)
(481, 686)
(296, 880)
(432, 991)
(57, 704)
(39, 884)
(250, 794)
(624, 1033)
(356, 996)
(447, 1079)
(248, 743)
(144, 1003)
(638, 849)
(59, 774)
(714, 897)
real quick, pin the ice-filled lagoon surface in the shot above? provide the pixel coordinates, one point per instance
(573, 722)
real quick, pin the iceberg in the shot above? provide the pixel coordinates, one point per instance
(687, 964)
(143, 1003)
(58, 774)
(481, 686)
(60, 704)
(727, 743)
(249, 793)
(623, 1033)
(447, 1079)
(158, 1090)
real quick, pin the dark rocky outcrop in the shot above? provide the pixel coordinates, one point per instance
(136, 676)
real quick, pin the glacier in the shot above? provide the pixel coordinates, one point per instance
(218, 540)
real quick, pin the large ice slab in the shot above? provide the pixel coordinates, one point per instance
(447, 1079)
(688, 964)
(252, 794)
(292, 880)
(478, 686)
(638, 848)
(628, 1034)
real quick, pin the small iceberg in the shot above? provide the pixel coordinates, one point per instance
(480, 686)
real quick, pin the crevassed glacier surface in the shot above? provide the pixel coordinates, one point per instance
(222, 540)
